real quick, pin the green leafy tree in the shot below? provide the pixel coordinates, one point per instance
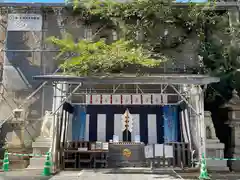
(144, 19)
(220, 52)
(131, 20)
(92, 58)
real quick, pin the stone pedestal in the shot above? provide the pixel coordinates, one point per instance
(15, 144)
(235, 165)
(40, 146)
(235, 149)
(17, 162)
(215, 149)
(43, 143)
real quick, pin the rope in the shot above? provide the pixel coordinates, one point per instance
(228, 159)
(22, 155)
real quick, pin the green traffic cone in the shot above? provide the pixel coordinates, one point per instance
(203, 171)
(5, 166)
(47, 166)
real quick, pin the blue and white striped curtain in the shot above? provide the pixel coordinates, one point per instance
(78, 123)
(171, 123)
(102, 122)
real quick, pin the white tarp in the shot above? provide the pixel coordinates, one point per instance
(24, 22)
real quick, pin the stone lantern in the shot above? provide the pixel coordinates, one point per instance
(233, 107)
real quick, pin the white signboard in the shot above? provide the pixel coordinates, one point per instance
(168, 150)
(158, 150)
(148, 151)
(24, 22)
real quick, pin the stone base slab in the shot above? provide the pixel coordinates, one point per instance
(235, 165)
(40, 146)
(42, 142)
(36, 163)
(18, 164)
(217, 165)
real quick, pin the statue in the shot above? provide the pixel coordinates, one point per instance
(208, 133)
(210, 130)
(47, 125)
(235, 100)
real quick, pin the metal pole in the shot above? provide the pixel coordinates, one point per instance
(54, 141)
(184, 99)
(43, 68)
(57, 142)
(201, 119)
(69, 96)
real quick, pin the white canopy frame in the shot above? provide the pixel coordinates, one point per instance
(194, 85)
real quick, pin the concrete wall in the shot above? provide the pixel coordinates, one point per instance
(19, 67)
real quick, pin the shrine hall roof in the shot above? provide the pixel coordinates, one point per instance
(132, 79)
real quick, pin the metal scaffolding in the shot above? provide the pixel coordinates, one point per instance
(30, 46)
(21, 47)
(38, 48)
(24, 54)
(186, 87)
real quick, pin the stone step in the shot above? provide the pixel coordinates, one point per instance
(18, 164)
(217, 165)
(36, 163)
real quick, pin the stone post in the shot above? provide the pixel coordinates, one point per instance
(43, 143)
(16, 144)
(234, 123)
(214, 148)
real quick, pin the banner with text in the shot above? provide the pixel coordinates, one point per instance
(24, 22)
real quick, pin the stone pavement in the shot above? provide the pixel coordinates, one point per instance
(113, 174)
(100, 174)
(23, 175)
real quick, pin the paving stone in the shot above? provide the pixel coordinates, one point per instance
(113, 174)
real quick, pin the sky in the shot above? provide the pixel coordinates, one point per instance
(62, 1)
(32, 1)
